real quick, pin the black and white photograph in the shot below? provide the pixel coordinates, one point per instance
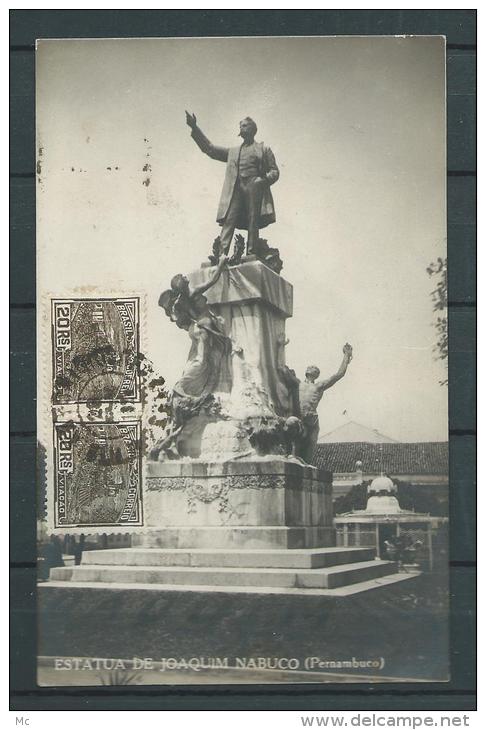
(242, 374)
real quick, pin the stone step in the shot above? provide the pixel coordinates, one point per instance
(204, 558)
(333, 577)
(353, 589)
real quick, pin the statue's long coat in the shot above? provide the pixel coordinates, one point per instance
(230, 155)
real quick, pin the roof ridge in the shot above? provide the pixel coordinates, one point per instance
(407, 457)
(352, 422)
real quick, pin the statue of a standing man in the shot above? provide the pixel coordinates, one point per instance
(246, 201)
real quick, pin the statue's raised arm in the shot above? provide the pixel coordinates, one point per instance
(213, 151)
(212, 280)
(310, 393)
(340, 373)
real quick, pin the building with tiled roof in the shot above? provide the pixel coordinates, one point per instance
(424, 458)
(424, 463)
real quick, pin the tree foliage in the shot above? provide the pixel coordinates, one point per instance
(420, 499)
(356, 498)
(437, 271)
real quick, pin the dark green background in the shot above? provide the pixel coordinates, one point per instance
(459, 26)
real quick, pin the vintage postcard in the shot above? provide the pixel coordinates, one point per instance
(242, 360)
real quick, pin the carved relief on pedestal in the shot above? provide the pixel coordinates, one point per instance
(217, 489)
(231, 481)
(207, 493)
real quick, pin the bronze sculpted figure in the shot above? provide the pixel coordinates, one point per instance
(207, 367)
(306, 396)
(246, 201)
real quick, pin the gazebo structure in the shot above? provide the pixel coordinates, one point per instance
(383, 521)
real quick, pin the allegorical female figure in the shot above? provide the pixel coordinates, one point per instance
(207, 367)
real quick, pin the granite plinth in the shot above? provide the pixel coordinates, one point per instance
(241, 525)
(247, 495)
(243, 538)
(297, 559)
(327, 577)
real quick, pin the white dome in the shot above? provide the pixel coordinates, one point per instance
(382, 484)
(384, 505)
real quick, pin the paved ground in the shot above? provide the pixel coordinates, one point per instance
(404, 628)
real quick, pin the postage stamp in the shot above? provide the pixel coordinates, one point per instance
(97, 474)
(95, 345)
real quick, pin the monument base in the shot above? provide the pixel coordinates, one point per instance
(266, 503)
(242, 538)
(259, 524)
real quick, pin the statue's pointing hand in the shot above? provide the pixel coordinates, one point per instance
(348, 351)
(190, 119)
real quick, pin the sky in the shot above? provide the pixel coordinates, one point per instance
(357, 126)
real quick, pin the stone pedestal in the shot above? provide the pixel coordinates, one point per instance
(254, 302)
(273, 502)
